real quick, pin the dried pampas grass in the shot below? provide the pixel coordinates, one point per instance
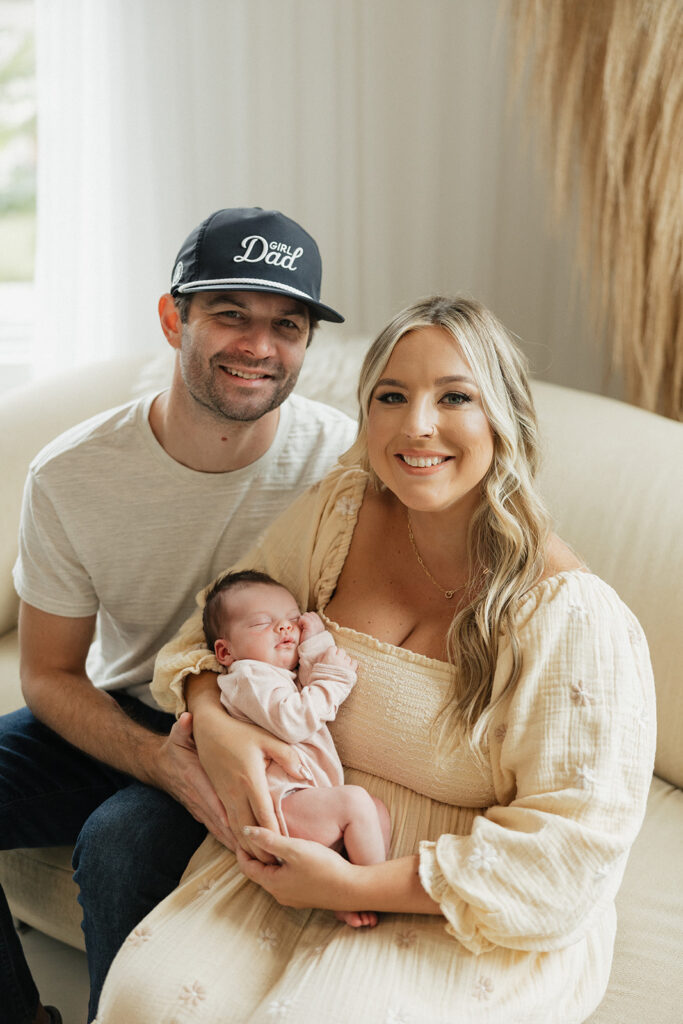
(605, 79)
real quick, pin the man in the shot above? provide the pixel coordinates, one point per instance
(125, 519)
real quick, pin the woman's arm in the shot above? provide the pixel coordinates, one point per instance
(572, 752)
(310, 874)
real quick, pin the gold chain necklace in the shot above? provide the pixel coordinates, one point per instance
(448, 594)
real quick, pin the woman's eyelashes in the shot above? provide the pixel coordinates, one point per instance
(450, 398)
(456, 398)
(390, 397)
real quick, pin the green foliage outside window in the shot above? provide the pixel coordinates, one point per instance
(17, 141)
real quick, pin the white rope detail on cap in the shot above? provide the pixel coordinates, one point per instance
(215, 285)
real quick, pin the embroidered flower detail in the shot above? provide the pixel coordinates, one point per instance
(399, 1016)
(483, 989)
(580, 695)
(405, 938)
(585, 777)
(192, 994)
(635, 634)
(578, 610)
(140, 935)
(316, 950)
(279, 1008)
(482, 858)
(267, 938)
(642, 718)
(500, 732)
(346, 507)
(601, 872)
(207, 887)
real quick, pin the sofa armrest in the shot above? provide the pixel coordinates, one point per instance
(10, 687)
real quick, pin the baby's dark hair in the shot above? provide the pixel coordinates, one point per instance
(212, 619)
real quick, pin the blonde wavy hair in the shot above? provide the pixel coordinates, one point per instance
(509, 530)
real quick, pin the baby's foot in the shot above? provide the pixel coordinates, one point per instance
(357, 918)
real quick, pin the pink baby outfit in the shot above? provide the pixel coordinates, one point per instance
(293, 709)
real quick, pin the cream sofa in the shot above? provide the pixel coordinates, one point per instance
(613, 476)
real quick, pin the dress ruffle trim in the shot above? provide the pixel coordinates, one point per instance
(345, 501)
(202, 661)
(459, 919)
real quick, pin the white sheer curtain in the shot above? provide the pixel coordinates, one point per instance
(382, 125)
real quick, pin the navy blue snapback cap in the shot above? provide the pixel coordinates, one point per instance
(255, 250)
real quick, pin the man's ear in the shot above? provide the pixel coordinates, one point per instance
(222, 652)
(171, 324)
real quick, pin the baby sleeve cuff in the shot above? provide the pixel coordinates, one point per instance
(316, 645)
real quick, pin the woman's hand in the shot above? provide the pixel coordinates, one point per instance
(308, 874)
(300, 873)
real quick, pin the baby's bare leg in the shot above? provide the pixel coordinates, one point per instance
(342, 814)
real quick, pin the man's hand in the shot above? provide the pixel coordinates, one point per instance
(184, 778)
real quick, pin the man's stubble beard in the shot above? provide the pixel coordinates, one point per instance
(204, 388)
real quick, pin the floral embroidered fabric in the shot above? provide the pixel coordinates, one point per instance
(524, 855)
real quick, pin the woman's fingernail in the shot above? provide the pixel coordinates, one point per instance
(247, 830)
(307, 773)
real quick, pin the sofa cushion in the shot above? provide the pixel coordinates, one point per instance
(10, 687)
(610, 479)
(646, 984)
(42, 893)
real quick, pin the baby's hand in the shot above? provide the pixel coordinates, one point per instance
(337, 656)
(310, 625)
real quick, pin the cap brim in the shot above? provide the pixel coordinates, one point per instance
(319, 309)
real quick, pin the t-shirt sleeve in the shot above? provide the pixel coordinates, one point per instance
(572, 752)
(48, 572)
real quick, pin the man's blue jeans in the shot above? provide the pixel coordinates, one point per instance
(133, 842)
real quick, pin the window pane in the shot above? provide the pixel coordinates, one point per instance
(17, 186)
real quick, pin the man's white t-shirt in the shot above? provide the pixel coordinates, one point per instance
(112, 525)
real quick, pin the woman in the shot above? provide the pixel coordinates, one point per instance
(504, 714)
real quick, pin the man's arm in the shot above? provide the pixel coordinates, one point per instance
(56, 688)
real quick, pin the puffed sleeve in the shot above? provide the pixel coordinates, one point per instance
(572, 752)
(304, 549)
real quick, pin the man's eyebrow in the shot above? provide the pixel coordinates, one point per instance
(290, 307)
(221, 298)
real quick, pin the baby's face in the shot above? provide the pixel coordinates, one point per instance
(262, 624)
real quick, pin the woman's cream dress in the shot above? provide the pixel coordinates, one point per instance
(524, 852)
